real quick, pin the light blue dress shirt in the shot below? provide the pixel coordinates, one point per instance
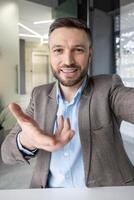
(66, 165)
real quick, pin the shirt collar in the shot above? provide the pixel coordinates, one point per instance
(76, 96)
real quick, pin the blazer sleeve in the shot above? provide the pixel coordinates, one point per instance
(9, 150)
(122, 100)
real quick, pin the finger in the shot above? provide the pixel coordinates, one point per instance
(18, 113)
(67, 136)
(58, 144)
(60, 125)
(67, 125)
(62, 141)
(72, 133)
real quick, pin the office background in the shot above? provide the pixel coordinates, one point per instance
(24, 57)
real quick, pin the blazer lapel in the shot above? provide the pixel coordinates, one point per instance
(51, 108)
(84, 127)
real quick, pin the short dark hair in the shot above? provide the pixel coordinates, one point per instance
(70, 22)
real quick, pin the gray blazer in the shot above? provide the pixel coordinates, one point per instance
(104, 103)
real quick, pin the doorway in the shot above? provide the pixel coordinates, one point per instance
(39, 68)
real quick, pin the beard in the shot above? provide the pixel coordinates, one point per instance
(70, 82)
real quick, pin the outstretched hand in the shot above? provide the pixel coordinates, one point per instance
(33, 137)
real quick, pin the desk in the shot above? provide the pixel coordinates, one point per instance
(99, 193)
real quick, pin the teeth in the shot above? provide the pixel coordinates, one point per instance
(69, 70)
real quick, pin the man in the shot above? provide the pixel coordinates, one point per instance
(72, 126)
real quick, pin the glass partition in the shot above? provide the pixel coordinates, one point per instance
(125, 62)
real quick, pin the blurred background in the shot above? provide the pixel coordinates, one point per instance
(24, 57)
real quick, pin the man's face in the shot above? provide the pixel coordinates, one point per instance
(70, 54)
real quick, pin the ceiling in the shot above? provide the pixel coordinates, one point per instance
(50, 3)
(106, 5)
(29, 13)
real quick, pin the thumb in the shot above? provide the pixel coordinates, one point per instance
(18, 113)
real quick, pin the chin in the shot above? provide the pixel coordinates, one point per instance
(69, 83)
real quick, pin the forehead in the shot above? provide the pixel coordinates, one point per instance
(61, 36)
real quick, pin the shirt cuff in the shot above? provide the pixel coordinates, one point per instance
(24, 150)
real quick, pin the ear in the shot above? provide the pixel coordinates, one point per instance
(90, 51)
(90, 54)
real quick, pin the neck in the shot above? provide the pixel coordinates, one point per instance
(68, 92)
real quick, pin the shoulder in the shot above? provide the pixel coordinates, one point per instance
(105, 83)
(103, 77)
(43, 89)
(106, 80)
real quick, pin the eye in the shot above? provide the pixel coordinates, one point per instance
(79, 50)
(58, 51)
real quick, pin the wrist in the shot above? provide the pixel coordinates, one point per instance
(24, 143)
(25, 151)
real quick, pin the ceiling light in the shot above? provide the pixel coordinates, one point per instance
(28, 35)
(34, 34)
(45, 36)
(29, 29)
(44, 22)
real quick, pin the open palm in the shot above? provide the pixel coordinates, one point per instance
(33, 137)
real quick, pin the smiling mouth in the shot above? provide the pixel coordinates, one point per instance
(69, 70)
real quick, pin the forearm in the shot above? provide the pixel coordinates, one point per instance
(122, 100)
(9, 150)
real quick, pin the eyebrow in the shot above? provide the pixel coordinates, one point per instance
(80, 45)
(56, 46)
(77, 45)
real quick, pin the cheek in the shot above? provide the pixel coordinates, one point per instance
(82, 61)
(55, 60)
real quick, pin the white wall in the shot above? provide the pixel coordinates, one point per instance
(9, 50)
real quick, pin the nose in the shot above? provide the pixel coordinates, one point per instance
(68, 58)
